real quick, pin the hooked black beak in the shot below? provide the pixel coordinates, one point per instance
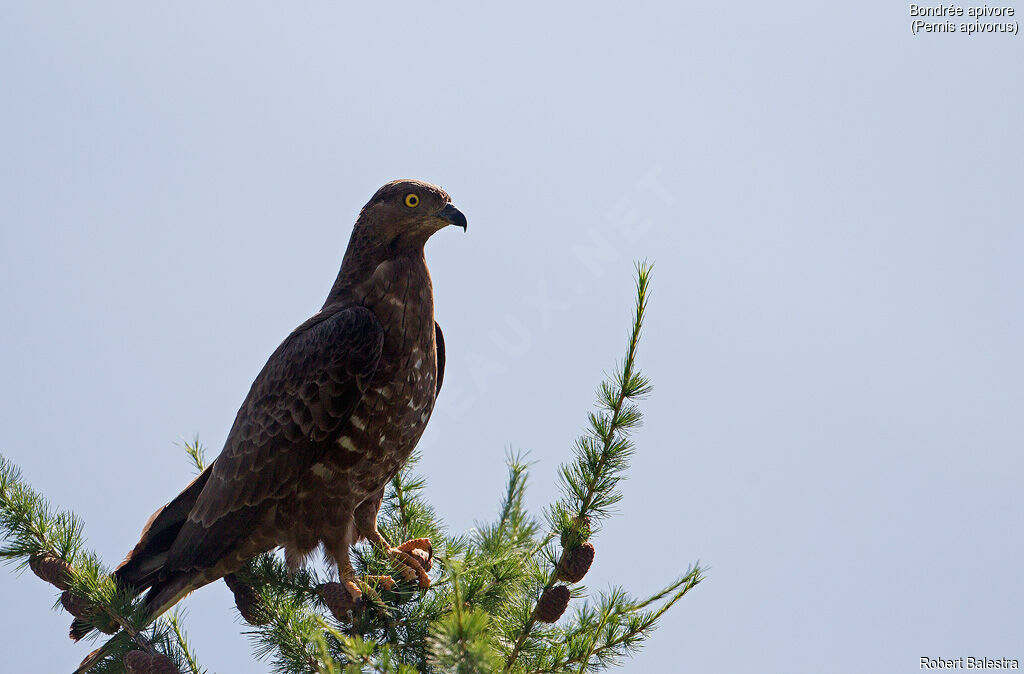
(454, 216)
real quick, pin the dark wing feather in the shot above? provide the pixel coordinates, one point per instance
(439, 340)
(307, 389)
(140, 567)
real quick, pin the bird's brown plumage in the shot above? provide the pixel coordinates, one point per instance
(330, 419)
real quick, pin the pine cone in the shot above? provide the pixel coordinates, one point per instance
(575, 563)
(52, 569)
(87, 612)
(247, 601)
(577, 534)
(338, 599)
(76, 605)
(161, 664)
(136, 662)
(552, 604)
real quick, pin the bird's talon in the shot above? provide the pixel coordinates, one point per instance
(424, 559)
(386, 583)
(421, 550)
(417, 544)
(410, 565)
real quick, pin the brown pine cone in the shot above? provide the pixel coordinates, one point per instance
(577, 534)
(339, 600)
(52, 569)
(552, 604)
(575, 563)
(76, 605)
(247, 601)
(161, 664)
(137, 662)
(87, 612)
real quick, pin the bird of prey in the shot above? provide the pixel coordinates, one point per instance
(331, 418)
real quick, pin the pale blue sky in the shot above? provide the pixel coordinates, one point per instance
(834, 336)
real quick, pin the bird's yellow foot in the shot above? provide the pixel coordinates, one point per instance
(413, 560)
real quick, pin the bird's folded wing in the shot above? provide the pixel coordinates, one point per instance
(439, 347)
(307, 389)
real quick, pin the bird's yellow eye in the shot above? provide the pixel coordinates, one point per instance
(412, 201)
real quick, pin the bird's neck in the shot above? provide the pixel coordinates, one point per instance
(368, 275)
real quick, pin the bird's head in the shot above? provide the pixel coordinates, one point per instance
(403, 214)
(394, 223)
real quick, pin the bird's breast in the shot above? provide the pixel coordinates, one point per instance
(393, 412)
(383, 429)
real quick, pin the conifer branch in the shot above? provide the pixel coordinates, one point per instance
(196, 453)
(174, 620)
(498, 592)
(589, 484)
(31, 531)
(460, 642)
